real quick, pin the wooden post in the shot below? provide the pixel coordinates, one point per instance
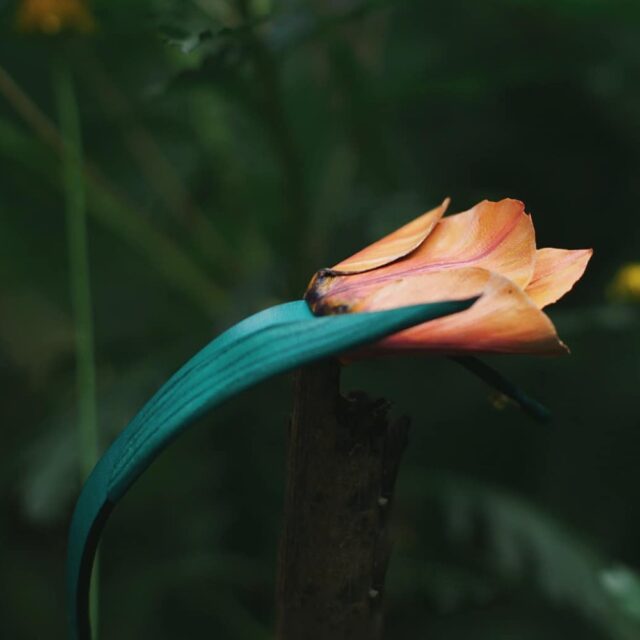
(342, 464)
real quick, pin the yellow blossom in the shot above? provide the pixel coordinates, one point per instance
(53, 16)
(499, 401)
(626, 283)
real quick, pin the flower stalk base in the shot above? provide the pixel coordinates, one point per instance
(343, 459)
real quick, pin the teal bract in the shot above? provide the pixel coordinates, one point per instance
(270, 342)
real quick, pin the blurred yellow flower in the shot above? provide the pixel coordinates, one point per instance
(53, 16)
(626, 283)
(498, 400)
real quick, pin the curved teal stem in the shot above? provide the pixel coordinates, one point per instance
(266, 344)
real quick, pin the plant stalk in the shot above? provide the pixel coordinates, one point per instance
(294, 226)
(342, 463)
(79, 280)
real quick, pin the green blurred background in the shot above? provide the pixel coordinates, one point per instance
(235, 147)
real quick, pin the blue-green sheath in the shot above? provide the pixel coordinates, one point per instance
(270, 342)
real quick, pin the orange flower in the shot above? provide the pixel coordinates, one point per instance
(53, 16)
(488, 251)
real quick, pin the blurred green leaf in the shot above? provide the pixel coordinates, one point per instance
(522, 543)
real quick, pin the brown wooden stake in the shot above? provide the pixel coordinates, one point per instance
(342, 464)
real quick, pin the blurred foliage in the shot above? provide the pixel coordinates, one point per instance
(233, 147)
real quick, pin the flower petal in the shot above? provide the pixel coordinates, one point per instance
(503, 320)
(396, 245)
(497, 236)
(555, 273)
(429, 287)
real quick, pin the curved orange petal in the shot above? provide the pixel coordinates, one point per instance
(448, 284)
(555, 273)
(503, 320)
(394, 246)
(498, 236)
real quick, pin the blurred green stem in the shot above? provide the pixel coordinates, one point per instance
(501, 384)
(115, 211)
(294, 228)
(159, 172)
(79, 281)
